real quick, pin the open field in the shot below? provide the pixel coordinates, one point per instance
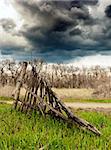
(67, 95)
(64, 93)
(7, 91)
(78, 95)
(19, 131)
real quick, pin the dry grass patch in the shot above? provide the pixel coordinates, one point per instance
(6, 91)
(74, 93)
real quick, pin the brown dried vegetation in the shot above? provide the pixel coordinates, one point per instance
(61, 76)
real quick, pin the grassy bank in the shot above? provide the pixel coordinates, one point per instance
(18, 131)
(5, 98)
(87, 100)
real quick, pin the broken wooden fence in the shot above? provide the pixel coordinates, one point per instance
(40, 97)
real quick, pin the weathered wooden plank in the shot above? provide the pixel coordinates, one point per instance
(38, 100)
(19, 83)
(76, 119)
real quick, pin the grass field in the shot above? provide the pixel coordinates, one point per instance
(87, 100)
(20, 132)
(5, 98)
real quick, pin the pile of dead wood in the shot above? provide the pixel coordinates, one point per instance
(40, 97)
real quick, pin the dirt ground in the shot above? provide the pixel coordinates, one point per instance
(98, 107)
(88, 105)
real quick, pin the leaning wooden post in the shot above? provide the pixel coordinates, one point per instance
(19, 83)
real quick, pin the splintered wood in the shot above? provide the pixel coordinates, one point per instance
(40, 97)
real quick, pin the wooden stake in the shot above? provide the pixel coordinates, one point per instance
(19, 83)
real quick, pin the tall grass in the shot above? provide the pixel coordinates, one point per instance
(21, 132)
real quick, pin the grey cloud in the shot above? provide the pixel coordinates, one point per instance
(108, 11)
(7, 24)
(52, 22)
(60, 26)
(76, 31)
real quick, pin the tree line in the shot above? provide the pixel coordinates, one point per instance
(60, 75)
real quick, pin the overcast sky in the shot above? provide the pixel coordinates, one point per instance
(57, 31)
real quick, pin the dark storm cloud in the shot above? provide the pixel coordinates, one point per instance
(53, 22)
(61, 28)
(62, 25)
(76, 31)
(108, 11)
(46, 40)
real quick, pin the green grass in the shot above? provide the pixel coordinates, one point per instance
(4, 98)
(87, 100)
(19, 132)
